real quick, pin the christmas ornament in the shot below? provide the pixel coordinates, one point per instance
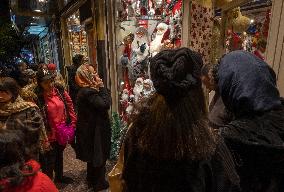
(138, 89)
(162, 34)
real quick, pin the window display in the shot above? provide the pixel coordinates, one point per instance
(77, 36)
(144, 28)
(247, 28)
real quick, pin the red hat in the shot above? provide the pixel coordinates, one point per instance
(51, 67)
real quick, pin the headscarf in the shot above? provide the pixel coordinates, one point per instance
(247, 84)
(174, 72)
(86, 76)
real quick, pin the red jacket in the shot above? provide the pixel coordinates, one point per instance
(36, 183)
(56, 113)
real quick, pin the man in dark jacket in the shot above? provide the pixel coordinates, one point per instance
(73, 88)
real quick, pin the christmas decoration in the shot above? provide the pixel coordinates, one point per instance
(148, 88)
(241, 23)
(201, 30)
(121, 8)
(215, 41)
(138, 89)
(10, 43)
(124, 104)
(162, 34)
(130, 107)
(125, 59)
(118, 132)
(220, 3)
(265, 27)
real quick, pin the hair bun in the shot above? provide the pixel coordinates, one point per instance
(174, 72)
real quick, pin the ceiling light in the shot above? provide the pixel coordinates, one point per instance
(37, 10)
(252, 21)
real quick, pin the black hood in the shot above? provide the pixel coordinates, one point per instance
(247, 84)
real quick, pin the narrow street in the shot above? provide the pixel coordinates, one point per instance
(75, 169)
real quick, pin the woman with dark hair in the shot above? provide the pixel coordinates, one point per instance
(12, 107)
(57, 108)
(256, 134)
(93, 131)
(169, 146)
(16, 173)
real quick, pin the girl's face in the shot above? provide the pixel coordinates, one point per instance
(47, 85)
(5, 96)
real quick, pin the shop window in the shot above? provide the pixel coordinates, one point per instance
(144, 28)
(77, 36)
(246, 28)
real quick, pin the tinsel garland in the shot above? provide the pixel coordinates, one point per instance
(215, 42)
(118, 133)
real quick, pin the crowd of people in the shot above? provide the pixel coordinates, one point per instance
(174, 143)
(39, 117)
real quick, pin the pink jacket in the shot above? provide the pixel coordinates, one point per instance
(56, 111)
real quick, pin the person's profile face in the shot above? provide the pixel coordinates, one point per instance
(47, 84)
(5, 96)
(22, 66)
(207, 82)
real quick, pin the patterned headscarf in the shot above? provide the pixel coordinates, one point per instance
(86, 76)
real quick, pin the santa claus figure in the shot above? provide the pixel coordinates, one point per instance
(127, 41)
(141, 37)
(130, 107)
(148, 88)
(138, 89)
(140, 53)
(162, 34)
(158, 7)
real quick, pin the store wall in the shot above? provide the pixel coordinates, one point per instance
(275, 46)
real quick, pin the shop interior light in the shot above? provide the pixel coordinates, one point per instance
(37, 10)
(252, 21)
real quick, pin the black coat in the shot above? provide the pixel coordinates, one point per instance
(256, 134)
(257, 145)
(93, 131)
(73, 87)
(143, 173)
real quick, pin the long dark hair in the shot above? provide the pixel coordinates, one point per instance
(12, 158)
(177, 129)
